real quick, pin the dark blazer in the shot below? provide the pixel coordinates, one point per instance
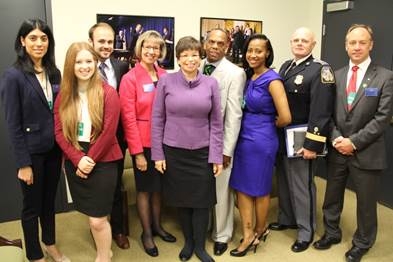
(121, 68)
(27, 113)
(368, 118)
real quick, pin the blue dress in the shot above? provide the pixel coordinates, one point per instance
(257, 144)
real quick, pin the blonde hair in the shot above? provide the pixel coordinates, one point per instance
(69, 104)
(150, 35)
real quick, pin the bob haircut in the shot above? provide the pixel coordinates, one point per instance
(187, 43)
(23, 60)
(150, 35)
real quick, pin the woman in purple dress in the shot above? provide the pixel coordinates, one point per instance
(265, 108)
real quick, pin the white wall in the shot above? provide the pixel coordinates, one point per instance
(73, 18)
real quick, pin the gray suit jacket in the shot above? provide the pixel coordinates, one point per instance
(369, 117)
(231, 80)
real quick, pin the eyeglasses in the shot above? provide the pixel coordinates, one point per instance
(153, 48)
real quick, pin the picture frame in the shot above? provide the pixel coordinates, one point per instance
(238, 30)
(127, 29)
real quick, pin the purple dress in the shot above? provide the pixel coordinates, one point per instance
(257, 144)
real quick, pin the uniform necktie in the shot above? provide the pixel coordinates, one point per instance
(101, 67)
(293, 64)
(208, 69)
(351, 89)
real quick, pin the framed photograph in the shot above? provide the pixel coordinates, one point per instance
(128, 28)
(238, 31)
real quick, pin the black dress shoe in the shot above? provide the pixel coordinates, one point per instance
(220, 248)
(326, 242)
(153, 252)
(355, 254)
(167, 237)
(300, 246)
(278, 227)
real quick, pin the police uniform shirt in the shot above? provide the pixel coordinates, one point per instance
(310, 89)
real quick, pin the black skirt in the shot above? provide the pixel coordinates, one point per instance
(93, 196)
(149, 180)
(189, 180)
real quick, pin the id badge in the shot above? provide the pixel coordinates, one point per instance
(371, 91)
(147, 88)
(80, 128)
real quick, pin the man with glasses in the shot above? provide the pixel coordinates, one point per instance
(231, 80)
(362, 113)
(101, 37)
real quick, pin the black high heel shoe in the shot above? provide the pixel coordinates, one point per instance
(153, 252)
(236, 253)
(167, 237)
(262, 237)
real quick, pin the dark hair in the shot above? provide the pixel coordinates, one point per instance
(269, 59)
(188, 43)
(227, 37)
(23, 60)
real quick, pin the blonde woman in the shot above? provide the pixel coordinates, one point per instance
(137, 91)
(86, 117)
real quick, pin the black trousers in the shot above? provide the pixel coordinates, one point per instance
(117, 219)
(39, 202)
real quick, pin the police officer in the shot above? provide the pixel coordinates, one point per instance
(310, 88)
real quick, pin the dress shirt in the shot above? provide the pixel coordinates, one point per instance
(110, 73)
(360, 72)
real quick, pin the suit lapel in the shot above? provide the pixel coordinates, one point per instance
(341, 79)
(32, 79)
(368, 77)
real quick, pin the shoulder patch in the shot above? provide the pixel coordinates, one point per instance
(327, 76)
(319, 61)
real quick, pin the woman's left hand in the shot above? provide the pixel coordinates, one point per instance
(217, 169)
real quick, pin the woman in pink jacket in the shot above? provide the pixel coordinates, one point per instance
(137, 90)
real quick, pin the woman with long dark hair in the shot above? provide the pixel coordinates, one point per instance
(28, 91)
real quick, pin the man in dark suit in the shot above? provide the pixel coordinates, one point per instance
(102, 36)
(358, 145)
(310, 88)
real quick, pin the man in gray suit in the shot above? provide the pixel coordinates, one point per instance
(231, 80)
(358, 144)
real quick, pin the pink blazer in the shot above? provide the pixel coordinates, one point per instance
(137, 93)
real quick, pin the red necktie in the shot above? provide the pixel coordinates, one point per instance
(351, 89)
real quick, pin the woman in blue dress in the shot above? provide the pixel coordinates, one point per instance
(265, 108)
